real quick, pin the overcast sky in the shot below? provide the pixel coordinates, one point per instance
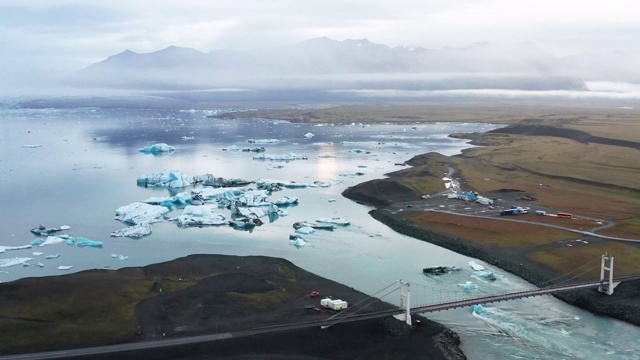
(43, 39)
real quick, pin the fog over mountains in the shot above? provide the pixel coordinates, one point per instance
(326, 64)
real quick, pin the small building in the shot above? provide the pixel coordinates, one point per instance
(333, 304)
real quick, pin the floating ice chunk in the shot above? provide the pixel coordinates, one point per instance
(53, 256)
(31, 146)
(286, 200)
(71, 241)
(119, 256)
(485, 274)
(468, 286)
(40, 265)
(245, 223)
(135, 231)
(179, 199)
(332, 200)
(305, 230)
(65, 267)
(37, 253)
(37, 241)
(188, 137)
(157, 148)
(140, 213)
(249, 212)
(322, 226)
(334, 220)
(172, 179)
(309, 135)
(82, 242)
(475, 266)
(200, 216)
(263, 141)
(362, 166)
(326, 156)
(65, 227)
(21, 247)
(280, 157)
(479, 309)
(297, 240)
(14, 261)
(52, 240)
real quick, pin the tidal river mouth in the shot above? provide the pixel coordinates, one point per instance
(75, 167)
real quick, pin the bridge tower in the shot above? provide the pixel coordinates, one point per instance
(606, 265)
(406, 317)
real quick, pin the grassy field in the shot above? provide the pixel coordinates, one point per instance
(491, 232)
(566, 259)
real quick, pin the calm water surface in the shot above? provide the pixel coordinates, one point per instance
(87, 162)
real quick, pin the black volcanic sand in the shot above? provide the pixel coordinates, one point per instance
(220, 294)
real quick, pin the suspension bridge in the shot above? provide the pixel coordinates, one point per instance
(355, 312)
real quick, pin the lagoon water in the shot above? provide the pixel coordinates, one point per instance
(76, 166)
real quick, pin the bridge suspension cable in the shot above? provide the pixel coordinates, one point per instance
(551, 282)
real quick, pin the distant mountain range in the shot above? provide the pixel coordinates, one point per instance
(326, 64)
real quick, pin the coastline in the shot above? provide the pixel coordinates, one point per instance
(588, 299)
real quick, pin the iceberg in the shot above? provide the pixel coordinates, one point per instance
(475, 266)
(485, 274)
(172, 179)
(479, 309)
(326, 156)
(37, 253)
(324, 226)
(157, 148)
(286, 200)
(182, 198)
(119, 256)
(263, 141)
(82, 242)
(37, 241)
(245, 223)
(334, 220)
(52, 240)
(297, 240)
(31, 146)
(135, 231)
(209, 193)
(202, 215)
(42, 230)
(53, 256)
(7, 248)
(305, 230)
(140, 213)
(65, 267)
(309, 135)
(468, 286)
(249, 212)
(281, 157)
(14, 261)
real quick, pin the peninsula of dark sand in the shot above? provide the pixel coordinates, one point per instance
(207, 294)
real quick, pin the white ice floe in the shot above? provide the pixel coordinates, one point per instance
(263, 141)
(182, 198)
(305, 230)
(119, 256)
(14, 261)
(37, 253)
(135, 231)
(200, 216)
(65, 227)
(140, 213)
(251, 212)
(52, 256)
(53, 240)
(282, 157)
(309, 135)
(468, 286)
(286, 200)
(65, 267)
(334, 220)
(7, 248)
(172, 179)
(475, 266)
(157, 148)
(326, 156)
(31, 146)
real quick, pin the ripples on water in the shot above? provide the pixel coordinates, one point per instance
(88, 164)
